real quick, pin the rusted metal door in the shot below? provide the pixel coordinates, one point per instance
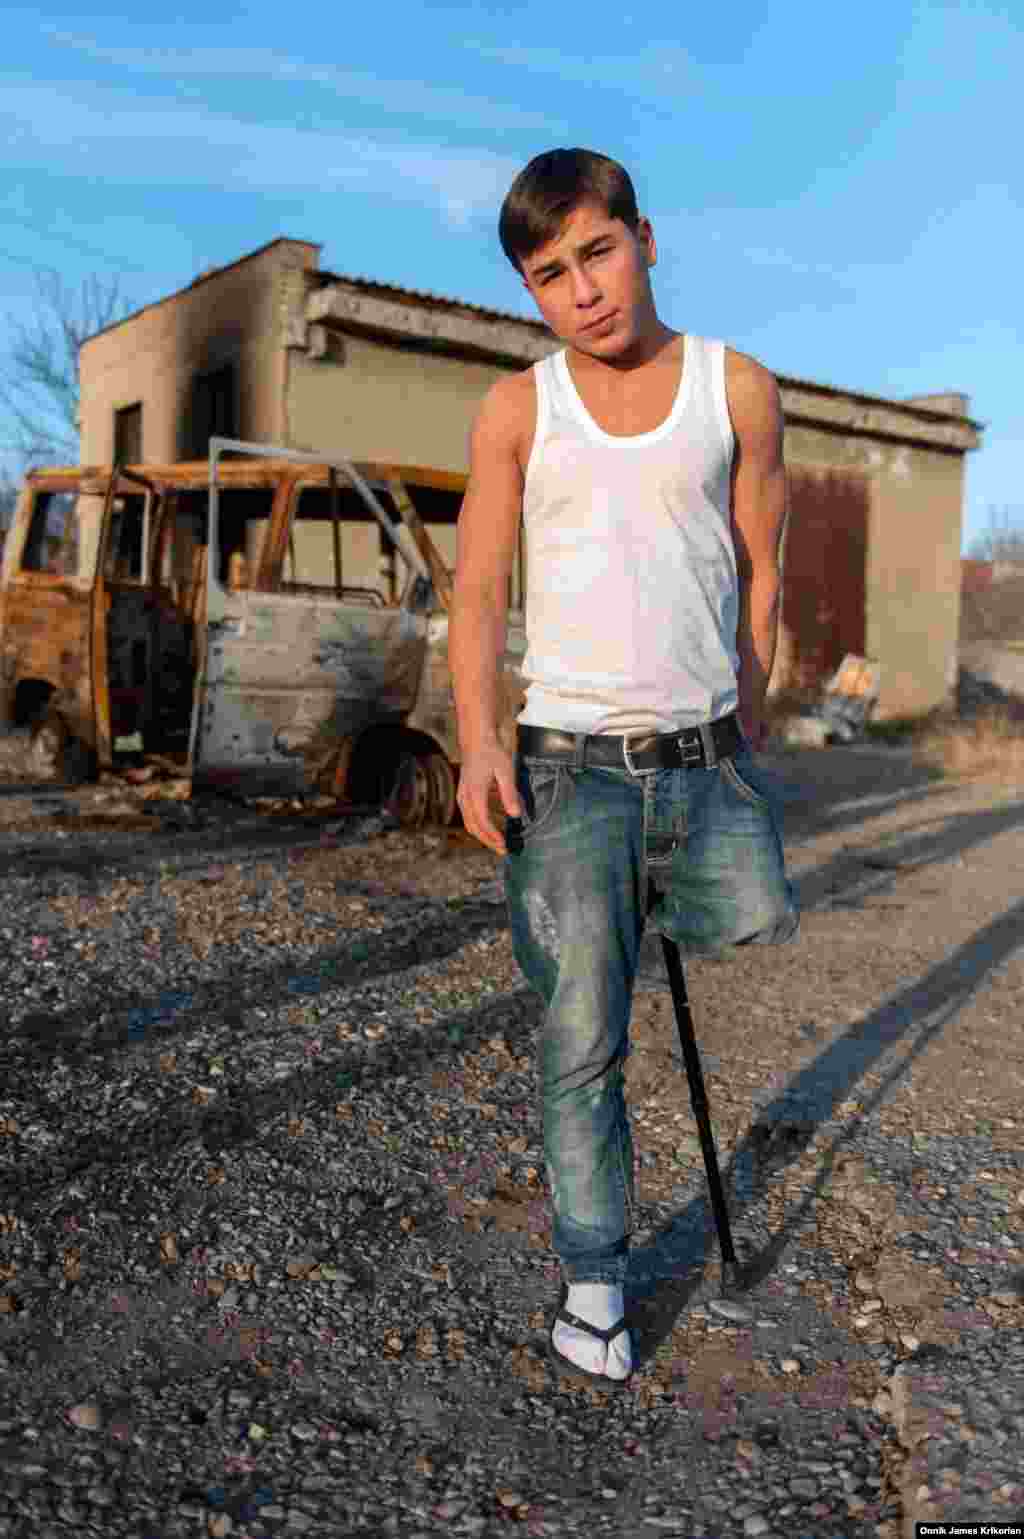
(824, 565)
(123, 660)
(291, 669)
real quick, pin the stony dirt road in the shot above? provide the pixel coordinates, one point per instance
(273, 1244)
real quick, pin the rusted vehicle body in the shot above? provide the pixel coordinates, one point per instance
(198, 612)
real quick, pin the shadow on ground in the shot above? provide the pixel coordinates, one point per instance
(667, 1273)
(824, 791)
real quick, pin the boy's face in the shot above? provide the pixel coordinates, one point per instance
(591, 283)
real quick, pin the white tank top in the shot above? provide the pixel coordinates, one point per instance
(631, 590)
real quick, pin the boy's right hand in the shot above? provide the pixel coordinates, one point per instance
(483, 770)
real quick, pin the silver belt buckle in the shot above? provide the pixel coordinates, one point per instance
(688, 758)
(703, 753)
(626, 754)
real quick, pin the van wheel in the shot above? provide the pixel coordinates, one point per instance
(54, 752)
(409, 797)
(441, 777)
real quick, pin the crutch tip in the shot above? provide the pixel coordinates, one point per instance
(733, 1279)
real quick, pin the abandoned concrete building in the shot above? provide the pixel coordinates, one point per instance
(272, 349)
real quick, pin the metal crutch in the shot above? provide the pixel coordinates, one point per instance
(699, 1102)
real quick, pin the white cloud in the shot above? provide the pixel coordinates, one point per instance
(119, 138)
(722, 236)
(417, 97)
(633, 72)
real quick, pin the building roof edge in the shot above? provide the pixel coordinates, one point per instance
(203, 277)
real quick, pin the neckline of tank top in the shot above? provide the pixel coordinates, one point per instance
(633, 440)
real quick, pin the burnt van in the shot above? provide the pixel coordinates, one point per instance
(268, 621)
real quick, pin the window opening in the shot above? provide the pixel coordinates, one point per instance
(124, 546)
(128, 435)
(331, 537)
(213, 409)
(437, 509)
(393, 569)
(53, 536)
(243, 519)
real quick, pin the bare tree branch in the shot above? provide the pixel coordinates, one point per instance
(1002, 538)
(39, 377)
(8, 498)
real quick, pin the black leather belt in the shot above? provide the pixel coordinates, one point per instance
(693, 748)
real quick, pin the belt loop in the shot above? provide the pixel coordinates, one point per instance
(625, 754)
(581, 748)
(707, 738)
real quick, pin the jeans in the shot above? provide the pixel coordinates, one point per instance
(580, 862)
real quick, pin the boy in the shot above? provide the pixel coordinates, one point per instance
(647, 466)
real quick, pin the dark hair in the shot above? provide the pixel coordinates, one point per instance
(551, 187)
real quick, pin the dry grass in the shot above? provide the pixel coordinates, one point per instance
(988, 746)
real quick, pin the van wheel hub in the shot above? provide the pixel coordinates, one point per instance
(409, 798)
(442, 789)
(46, 747)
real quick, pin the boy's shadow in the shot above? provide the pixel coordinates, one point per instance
(674, 1268)
(681, 1266)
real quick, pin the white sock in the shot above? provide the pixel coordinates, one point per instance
(599, 1304)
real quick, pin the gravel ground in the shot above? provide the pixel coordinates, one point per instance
(274, 1244)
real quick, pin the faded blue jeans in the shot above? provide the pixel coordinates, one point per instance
(577, 871)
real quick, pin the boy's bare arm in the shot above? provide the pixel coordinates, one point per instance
(485, 550)
(758, 520)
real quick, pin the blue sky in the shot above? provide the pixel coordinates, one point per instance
(835, 190)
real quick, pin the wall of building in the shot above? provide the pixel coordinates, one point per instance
(876, 486)
(913, 581)
(235, 317)
(373, 400)
(912, 571)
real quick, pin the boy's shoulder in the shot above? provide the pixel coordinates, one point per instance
(509, 410)
(753, 393)
(745, 370)
(513, 391)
